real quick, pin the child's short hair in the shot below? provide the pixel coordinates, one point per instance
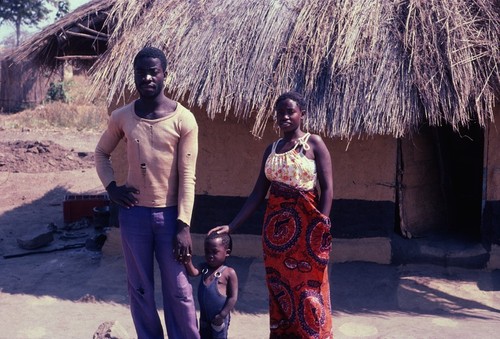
(152, 52)
(225, 237)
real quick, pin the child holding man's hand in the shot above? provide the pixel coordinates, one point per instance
(218, 289)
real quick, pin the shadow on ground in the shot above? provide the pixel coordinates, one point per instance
(356, 287)
(416, 289)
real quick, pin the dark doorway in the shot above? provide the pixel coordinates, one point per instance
(460, 158)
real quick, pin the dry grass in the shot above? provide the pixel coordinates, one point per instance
(365, 66)
(78, 114)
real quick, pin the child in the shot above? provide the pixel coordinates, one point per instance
(218, 289)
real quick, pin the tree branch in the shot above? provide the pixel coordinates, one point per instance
(88, 36)
(81, 57)
(90, 30)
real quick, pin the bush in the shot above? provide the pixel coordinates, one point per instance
(56, 92)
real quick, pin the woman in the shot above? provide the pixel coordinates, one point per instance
(296, 233)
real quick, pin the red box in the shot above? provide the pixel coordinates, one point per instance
(76, 207)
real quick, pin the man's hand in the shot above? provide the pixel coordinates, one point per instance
(182, 243)
(122, 195)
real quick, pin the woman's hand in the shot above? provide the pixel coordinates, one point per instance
(220, 229)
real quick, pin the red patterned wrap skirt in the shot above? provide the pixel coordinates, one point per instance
(297, 242)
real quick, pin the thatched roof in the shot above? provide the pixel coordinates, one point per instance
(365, 66)
(81, 36)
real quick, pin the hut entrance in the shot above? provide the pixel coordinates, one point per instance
(440, 179)
(460, 160)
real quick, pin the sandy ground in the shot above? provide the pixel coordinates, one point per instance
(68, 294)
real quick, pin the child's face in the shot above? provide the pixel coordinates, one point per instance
(215, 252)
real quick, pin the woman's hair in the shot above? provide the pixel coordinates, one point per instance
(297, 97)
(152, 52)
(227, 242)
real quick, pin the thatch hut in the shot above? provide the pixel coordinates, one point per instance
(25, 84)
(404, 92)
(20, 88)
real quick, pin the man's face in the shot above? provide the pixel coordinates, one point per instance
(148, 77)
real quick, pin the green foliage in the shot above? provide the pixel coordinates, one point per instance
(62, 8)
(56, 92)
(29, 12)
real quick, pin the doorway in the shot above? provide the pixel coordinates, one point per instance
(460, 160)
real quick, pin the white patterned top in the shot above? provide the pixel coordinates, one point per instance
(292, 168)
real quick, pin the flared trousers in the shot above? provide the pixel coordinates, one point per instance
(148, 233)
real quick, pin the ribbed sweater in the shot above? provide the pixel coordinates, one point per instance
(161, 157)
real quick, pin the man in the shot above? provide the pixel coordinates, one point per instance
(156, 202)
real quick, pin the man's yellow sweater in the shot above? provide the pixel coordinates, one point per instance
(161, 157)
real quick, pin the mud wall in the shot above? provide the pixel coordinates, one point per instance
(230, 159)
(492, 165)
(20, 88)
(491, 209)
(421, 200)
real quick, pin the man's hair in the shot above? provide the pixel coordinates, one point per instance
(152, 52)
(227, 242)
(297, 97)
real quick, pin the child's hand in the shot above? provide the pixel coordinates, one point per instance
(187, 259)
(218, 320)
(190, 268)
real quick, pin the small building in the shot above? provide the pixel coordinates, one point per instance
(19, 88)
